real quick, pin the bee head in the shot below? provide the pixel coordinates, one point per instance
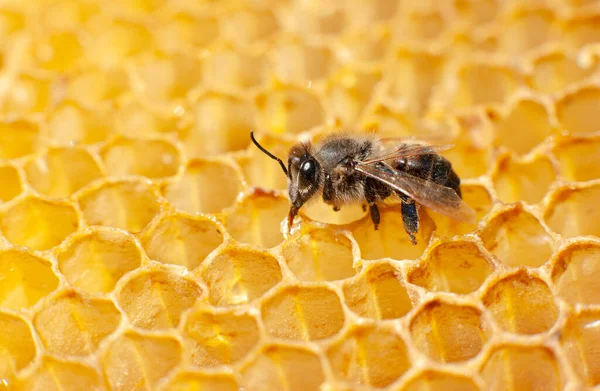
(304, 174)
(303, 171)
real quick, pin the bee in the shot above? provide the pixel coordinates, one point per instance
(345, 168)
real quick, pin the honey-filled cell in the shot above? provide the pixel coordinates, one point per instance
(459, 267)
(320, 256)
(570, 211)
(378, 292)
(521, 368)
(521, 304)
(238, 276)
(449, 333)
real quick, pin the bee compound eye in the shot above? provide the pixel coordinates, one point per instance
(308, 169)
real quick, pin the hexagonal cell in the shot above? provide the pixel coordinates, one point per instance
(458, 267)
(149, 158)
(116, 39)
(476, 12)
(521, 368)
(185, 381)
(95, 261)
(187, 28)
(93, 86)
(18, 138)
(257, 219)
(527, 181)
(25, 279)
(477, 197)
(222, 124)
(182, 240)
(528, 29)
(28, 94)
(38, 223)
(69, 123)
(582, 30)
(578, 158)
(576, 110)
(129, 205)
(371, 355)
(379, 10)
(471, 155)
(135, 361)
(226, 69)
(576, 271)
(303, 313)
(54, 374)
(156, 300)
(319, 255)
(365, 46)
(238, 276)
(424, 24)
(525, 126)
(16, 343)
(448, 332)
(378, 293)
(280, 367)
(572, 211)
(301, 63)
(168, 77)
(58, 51)
(221, 338)
(138, 119)
(318, 211)
(66, 15)
(62, 171)
(484, 84)
(70, 324)
(390, 121)
(260, 170)
(11, 183)
(246, 26)
(555, 71)
(415, 73)
(349, 91)
(487, 43)
(391, 240)
(516, 238)
(328, 24)
(205, 187)
(581, 341)
(437, 380)
(521, 303)
(289, 109)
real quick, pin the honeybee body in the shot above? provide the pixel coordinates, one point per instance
(343, 169)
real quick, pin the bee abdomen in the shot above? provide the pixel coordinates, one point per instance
(432, 167)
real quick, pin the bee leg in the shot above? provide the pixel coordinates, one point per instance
(364, 206)
(371, 197)
(410, 217)
(375, 215)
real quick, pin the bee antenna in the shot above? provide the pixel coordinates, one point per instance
(269, 154)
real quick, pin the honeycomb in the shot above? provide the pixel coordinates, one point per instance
(142, 237)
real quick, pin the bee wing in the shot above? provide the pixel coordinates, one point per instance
(407, 150)
(439, 198)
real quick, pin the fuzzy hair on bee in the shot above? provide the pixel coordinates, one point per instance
(345, 168)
